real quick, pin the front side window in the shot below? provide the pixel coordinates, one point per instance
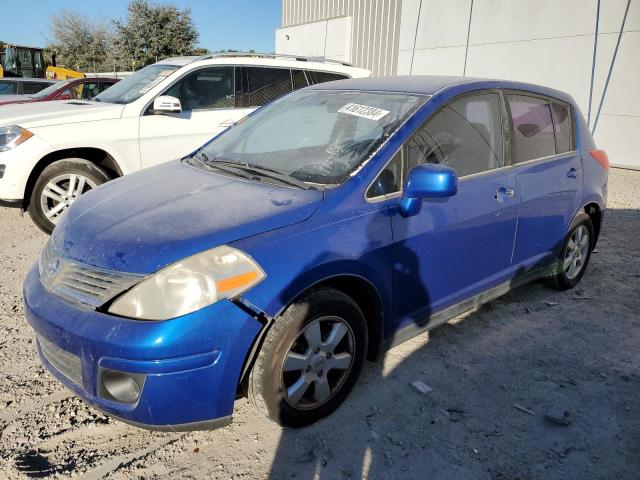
(205, 89)
(314, 136)
(466, 136)
(136, 85)
(533, 133)
(267, 84)
(390, 178)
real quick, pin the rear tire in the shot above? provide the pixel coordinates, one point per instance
(58, 186)
(574, 254)
(310, 359)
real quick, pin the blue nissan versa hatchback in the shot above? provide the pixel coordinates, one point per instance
(331, 224)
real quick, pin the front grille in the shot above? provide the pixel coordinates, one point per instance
(79, 282)
(64, 362)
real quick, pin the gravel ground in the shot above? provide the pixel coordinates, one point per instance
(499, 378)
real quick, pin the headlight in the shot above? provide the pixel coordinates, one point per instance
(11, 137)
(189, 285)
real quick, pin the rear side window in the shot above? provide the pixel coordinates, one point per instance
(205, 89)
(29, 88)
(299, 79)
(267, 84)
(561, 116)
(532, 127)
(321, 77)
(466, 135)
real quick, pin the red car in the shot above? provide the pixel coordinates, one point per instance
(74, 89)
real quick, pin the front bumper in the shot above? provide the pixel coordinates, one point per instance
(18, 164)
(190, 365)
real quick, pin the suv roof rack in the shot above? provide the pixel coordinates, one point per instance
(298, 58)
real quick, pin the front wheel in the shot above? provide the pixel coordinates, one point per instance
(58, 186)
(574, 255)
(310, 359)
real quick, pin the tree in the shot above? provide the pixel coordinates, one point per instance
(152, 32)
(80, 43)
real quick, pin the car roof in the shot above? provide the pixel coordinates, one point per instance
(432, 84)
(28, 80)
(270, 59)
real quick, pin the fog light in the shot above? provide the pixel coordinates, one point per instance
(121, 386)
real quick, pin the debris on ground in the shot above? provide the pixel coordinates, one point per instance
(523, 409)
(558, 416)
(421, 386)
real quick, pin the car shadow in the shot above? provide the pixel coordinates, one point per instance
(490, 379)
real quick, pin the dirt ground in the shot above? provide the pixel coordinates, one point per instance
(496, 377)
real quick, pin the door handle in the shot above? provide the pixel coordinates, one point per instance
(572, 173)
(226, 123)
(503, 194)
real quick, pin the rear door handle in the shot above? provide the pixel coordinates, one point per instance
(572, 173)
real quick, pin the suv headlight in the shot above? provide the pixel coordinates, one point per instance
(189, 285)
(11, 137)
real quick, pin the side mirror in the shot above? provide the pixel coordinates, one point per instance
(427, 181)
(166, 104)
(64, 96)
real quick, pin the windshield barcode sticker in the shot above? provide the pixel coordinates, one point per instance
(372, 113)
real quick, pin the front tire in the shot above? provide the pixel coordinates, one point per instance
(574, 255)
(58, 186)
(310, 359)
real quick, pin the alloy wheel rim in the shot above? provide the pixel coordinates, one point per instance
(317, 363)
(61, 192)
(575, 254)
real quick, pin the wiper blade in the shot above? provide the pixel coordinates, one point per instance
(283, 177)
(203, 160)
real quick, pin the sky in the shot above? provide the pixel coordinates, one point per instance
(223, 24)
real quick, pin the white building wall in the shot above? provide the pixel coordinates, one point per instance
(549, 42)
(370, 38)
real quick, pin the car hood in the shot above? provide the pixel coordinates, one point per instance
(144, 221)
(44, 114)
(5, 99)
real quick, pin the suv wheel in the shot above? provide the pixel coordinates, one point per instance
(58, 186)
(310, 359)
(574, 255)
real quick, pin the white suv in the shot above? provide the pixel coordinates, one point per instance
(52, 152)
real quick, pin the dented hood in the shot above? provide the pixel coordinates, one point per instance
(147, 220)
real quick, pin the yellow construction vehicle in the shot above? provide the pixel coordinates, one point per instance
(28, 62)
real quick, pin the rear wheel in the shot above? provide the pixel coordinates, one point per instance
(310, 359)
(58, 186)
(574, 255)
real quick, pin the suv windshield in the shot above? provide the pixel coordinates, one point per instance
(317, 136)
(136, 85)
